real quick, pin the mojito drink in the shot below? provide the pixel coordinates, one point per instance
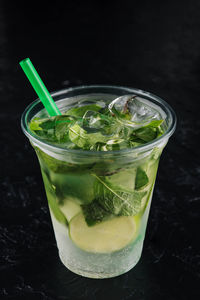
(99, 191)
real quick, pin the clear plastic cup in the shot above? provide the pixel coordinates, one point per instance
(114, 246)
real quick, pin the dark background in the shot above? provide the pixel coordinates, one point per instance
(149, 45)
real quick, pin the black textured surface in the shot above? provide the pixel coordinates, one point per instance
(150, 45)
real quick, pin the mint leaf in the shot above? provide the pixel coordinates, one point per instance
(85, 139)
(35, 124)
(81, 110)
(111, 201)
(78, 185)
(45, 128)
(149, 132)
(154, 123)
(141, 178)
(133, 204)
(62, 124)
(117, 201)
(48, 124)
(61, 132)
(78, 136)
(146, 134)
(96, 137)
(54, 129)
(94, 213)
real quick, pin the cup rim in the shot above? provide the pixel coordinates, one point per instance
(142, 148)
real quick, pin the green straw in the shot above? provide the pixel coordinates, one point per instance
(39, 87)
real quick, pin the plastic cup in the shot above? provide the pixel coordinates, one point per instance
(112, 247)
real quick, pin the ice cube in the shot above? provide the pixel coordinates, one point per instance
(97, 122)
(94, 119)
(134, 111)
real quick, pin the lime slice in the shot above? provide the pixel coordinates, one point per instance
(107, 236)
(70, 208)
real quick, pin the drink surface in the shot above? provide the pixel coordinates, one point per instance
(126, 122)
(100, 208)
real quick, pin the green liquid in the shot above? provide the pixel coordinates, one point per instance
(100, 192)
